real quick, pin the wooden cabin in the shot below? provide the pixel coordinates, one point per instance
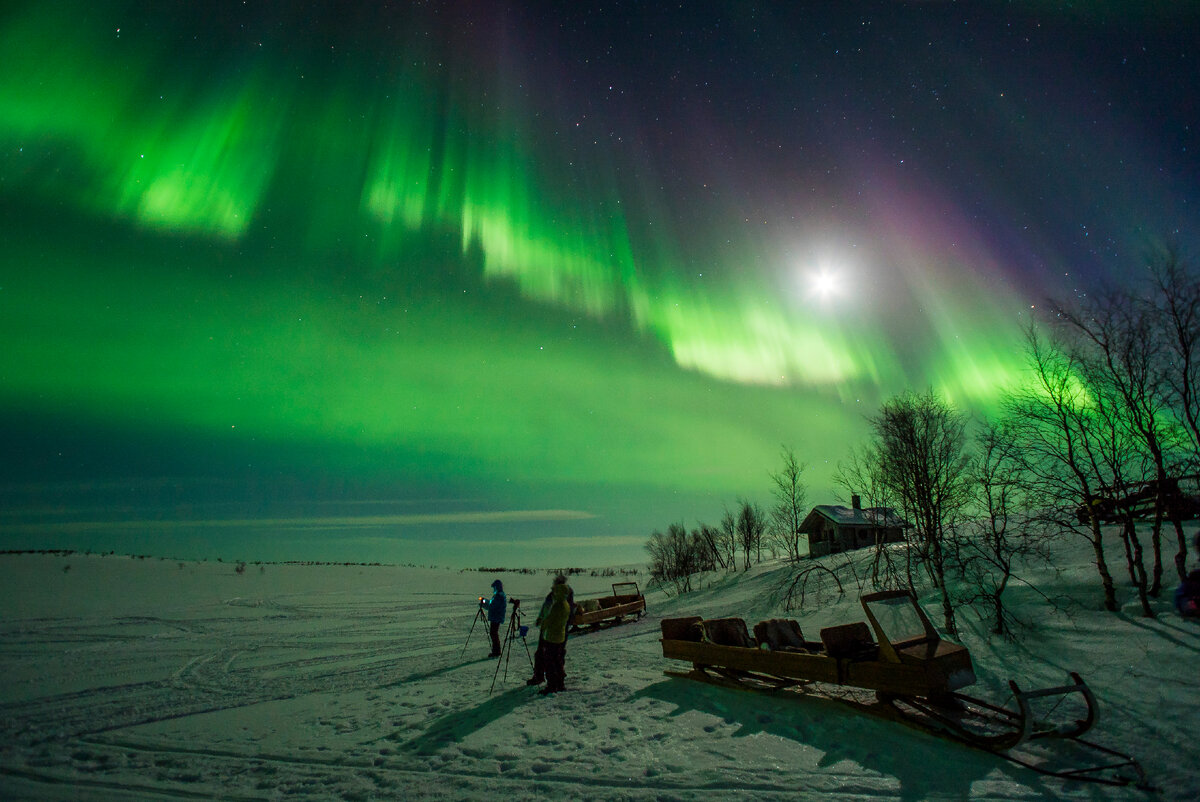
(832, 528)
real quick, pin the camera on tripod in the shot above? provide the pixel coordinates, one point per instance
(482, 602)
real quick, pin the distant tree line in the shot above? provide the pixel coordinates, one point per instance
(737, 542)
(1103, 432)
(554, 571)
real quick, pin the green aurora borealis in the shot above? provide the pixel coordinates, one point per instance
(274, 256)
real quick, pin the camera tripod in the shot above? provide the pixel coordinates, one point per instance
(479, 616)
(515, 632)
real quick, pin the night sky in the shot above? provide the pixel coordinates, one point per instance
(518, 283)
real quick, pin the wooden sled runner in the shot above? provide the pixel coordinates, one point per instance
(916, 677)
(626, 600)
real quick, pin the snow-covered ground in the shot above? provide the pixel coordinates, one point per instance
(154, 679)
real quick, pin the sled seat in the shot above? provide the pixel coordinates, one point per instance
(728, 632)
(690, 628)
(850, 642)
(783, 635)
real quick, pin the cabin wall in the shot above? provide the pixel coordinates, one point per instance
(833, 539)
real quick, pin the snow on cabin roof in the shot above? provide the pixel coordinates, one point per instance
(867, 516)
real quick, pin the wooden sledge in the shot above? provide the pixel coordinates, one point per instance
(626, 600)
(915, 675)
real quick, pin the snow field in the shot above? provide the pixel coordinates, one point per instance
(152, 679)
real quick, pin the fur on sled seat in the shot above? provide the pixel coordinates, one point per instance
(689, 628)
(781, 635)
(728, 632)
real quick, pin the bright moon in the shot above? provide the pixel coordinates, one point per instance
(824, 284)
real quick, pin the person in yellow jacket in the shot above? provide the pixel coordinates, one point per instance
(550, 661)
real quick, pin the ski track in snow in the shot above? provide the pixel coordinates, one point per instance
(360, 690)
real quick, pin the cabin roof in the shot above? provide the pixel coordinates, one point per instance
(848, 516)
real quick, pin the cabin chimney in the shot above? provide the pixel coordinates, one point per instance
(856, 502)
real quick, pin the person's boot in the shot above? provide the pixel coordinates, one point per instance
(535, 681)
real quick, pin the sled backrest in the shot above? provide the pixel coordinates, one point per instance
(626, 591)
(727, 632)
(852, 641)
(898, 621)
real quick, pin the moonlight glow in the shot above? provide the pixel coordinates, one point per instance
(825, 284)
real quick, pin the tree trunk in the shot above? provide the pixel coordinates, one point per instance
(1106, 580)
(1128, 544)
(1156, 545)
(1181, 555)
(947, 605)
(1139, 563)
(948, 613)
(998, 602)
(908, 562)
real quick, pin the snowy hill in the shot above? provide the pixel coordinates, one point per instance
(152, 679)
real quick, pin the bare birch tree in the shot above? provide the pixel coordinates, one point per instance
(1057, 437)
(920, 442)
(1000, 533)
(751, 525)
(791, 505)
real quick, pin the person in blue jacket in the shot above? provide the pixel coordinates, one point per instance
(496, 609)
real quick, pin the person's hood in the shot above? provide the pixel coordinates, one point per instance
(498, 585)
(560, 592)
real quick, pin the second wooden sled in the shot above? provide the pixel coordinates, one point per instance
(916, 676)
(626, 600)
